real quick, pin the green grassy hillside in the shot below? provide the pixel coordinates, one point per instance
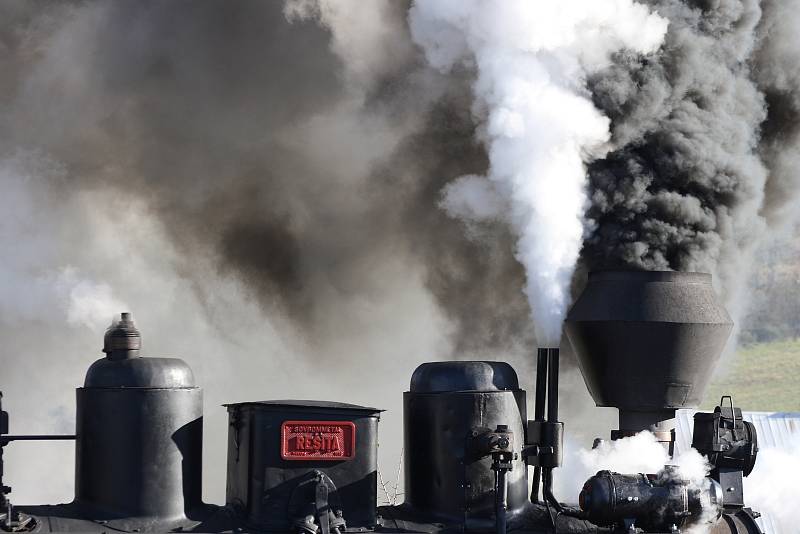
(761, 377)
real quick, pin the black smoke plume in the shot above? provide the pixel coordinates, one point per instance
(703, 132)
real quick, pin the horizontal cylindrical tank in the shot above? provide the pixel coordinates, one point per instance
(655, 502)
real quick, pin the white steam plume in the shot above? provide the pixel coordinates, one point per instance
(90, 304)
(637, 454)
(537, 122)
(772, 486)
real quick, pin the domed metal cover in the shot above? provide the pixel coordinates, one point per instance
(139, 373)
(647, 340)
(440, 377)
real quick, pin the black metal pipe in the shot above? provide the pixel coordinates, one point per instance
(541, 384)
(552, 417)
(552, 386)
(501, 500)
(538, 412)
(5, 438)
(547, 490)
(537, 482)
(550, 501)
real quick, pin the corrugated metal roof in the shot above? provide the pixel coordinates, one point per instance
(774, 429)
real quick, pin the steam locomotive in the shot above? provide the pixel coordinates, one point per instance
(647, 344)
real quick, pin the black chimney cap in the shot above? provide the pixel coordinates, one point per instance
(122, 335)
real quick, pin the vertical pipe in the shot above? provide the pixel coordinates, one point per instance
(538, 411)
(501, 500)
(541, 384)
(552, 417)
(552, 386)
(537, 481)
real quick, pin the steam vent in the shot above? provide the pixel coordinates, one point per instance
(647, 343)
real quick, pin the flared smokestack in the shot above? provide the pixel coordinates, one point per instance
(648, 343)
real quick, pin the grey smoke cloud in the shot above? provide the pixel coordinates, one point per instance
(775, 71)
(262, 193)
(300, 177)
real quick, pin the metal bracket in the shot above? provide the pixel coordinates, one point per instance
(321, 505)
(315, 507)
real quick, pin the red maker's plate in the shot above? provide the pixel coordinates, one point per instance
(318, 440)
